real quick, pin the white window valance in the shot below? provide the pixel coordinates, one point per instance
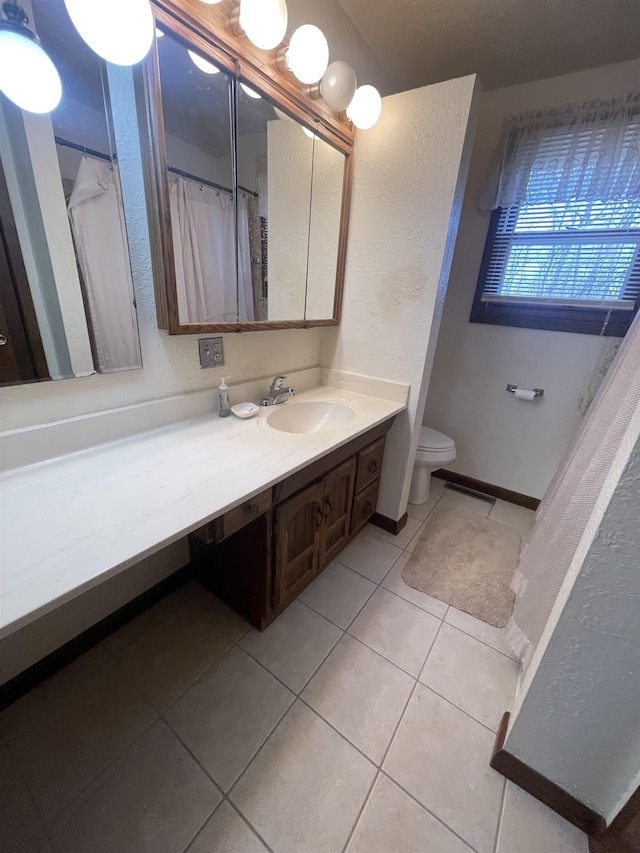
(589, 153)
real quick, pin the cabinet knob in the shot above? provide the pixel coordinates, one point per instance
(254, 509)
(319, 515)
(327, 510)
(372, 467)
(3, 339)
(368, 506)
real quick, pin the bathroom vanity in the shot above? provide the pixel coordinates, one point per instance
(260, 555)
(271, 507)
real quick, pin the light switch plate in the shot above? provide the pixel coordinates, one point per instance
(211, 352)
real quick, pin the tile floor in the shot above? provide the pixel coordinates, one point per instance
(361, 720)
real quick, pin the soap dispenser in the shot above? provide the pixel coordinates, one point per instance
(223, 399)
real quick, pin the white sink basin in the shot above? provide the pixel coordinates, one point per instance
(310, 416)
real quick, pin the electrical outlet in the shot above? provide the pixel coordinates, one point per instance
(211, 352)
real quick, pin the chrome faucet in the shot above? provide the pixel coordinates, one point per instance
(277, 394)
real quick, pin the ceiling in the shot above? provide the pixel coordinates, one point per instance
(417, 42)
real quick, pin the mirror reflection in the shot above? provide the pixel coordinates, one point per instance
(324, 229)
(196, 106)
(67, 305)
(275, 159)
(253, 197)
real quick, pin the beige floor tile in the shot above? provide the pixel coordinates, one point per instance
(421, 511)
(395, 583)
(66, 731)
(528, 826)
(392, 821)
(515, 516)
(402, 539)
(471, 675)
(338, 594)
(304, 789)
(21, 830)
(369, 556)
(494, 637)
(130, 632)
(170, 656)
(228, 713)
(361, 694)
(466, 502)
(441, 756)
(153, 799)
(294, 645)
(226, 832)
(398, 630)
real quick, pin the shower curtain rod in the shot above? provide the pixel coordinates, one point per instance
(187, 175)
(67, 144)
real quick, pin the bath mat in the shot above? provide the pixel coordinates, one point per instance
(466, 561)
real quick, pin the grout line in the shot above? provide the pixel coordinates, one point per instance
(503, 801)
(360, 812)
(381, 771)
(404, 710)
(204, 823)
(473, 636)
(250, 825)
(428, 811)
(453, 704)
(74, 805)
(337, 731)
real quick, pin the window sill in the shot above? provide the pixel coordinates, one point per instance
(581, 321)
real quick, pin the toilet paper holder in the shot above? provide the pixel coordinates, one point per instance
(538, 392)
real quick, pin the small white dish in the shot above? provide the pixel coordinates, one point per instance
(245, 410)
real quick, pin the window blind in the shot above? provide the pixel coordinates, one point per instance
(582, 253)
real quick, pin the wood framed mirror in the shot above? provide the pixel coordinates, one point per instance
(248, 182)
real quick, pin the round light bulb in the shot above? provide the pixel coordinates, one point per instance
(264, 22)
(211, 2)
(159, 33)
(202, 64)
(338, 85)
(120, 31)
(365, 108)
(308, 54)
(250, 92)
(308, 132)
(27, 76)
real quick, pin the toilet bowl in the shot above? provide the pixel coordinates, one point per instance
(434, 450)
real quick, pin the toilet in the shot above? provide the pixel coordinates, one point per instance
(435, 449)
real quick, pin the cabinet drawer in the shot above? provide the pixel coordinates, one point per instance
(235, 519)
(364, 506)
(243, 514)
(369, 464)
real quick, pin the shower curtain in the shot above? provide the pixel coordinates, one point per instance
(202, 221)
(571, 497)
(103, 257)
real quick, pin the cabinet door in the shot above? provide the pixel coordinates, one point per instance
(336, 508)
(299, 525)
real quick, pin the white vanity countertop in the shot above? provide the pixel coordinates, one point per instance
(69, 523)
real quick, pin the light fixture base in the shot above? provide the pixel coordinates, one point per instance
(234, 21)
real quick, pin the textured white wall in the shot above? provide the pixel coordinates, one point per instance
(577, 720)
(409, 178)
(501, 440)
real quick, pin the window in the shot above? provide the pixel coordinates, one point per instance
(566, 257)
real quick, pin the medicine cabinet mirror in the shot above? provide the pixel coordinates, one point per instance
(67, 305)
(247, 194)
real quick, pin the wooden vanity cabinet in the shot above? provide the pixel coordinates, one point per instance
(259, 556)
(311, 529)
